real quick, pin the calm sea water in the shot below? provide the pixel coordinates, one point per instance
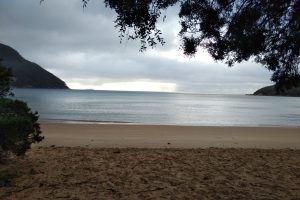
(162, 108)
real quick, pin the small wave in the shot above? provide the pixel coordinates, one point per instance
(67, 121)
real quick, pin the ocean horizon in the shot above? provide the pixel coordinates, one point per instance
(161, 108)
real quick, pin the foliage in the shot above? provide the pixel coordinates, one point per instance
(288, 88)
(285, 85)
(137, 19)
(18, 126)
(231, 30)
(5, 80)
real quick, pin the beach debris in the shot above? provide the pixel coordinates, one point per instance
(33, 171)
(117, 151)
(112, 190)
(152, 190)
(62, 195)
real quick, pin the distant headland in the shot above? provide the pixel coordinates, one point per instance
(28, 74)
(271, 91)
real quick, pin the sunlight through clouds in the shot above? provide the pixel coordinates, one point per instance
(128, 86)
(201, 57)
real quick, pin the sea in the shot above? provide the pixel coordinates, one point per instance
(91, 106)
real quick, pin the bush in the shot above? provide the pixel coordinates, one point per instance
(18, 127)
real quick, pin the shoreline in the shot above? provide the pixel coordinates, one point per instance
(168, 136)
(91, 122)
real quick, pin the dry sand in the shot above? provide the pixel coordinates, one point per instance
(213, 173)
(161, 136)
(260, 168)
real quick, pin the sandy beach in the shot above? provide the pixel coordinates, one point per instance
(162, 136)
(97, 173)
(97, 161)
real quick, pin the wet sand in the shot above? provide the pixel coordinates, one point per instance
(161, 136)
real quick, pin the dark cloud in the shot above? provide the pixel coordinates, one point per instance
(83, 46)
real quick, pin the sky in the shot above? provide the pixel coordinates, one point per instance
(82, 47)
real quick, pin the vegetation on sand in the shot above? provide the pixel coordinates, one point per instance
(18, 124)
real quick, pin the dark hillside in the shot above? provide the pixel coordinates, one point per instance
(271, 91)
(28, 74)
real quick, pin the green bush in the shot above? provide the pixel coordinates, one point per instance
(18, 127)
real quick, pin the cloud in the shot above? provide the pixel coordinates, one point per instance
(82, 47)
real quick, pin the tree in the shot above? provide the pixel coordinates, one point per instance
(5, 79)
(233, 31)
(18, 124)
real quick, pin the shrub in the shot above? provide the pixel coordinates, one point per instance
(18, 124)
(18, 127)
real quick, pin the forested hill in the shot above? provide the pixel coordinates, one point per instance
(271, 91)
(28, 74)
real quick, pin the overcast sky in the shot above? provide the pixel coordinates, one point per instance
(82, 48)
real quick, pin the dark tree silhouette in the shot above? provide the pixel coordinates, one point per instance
(18, 124)
(6, 77)
(231, 30)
